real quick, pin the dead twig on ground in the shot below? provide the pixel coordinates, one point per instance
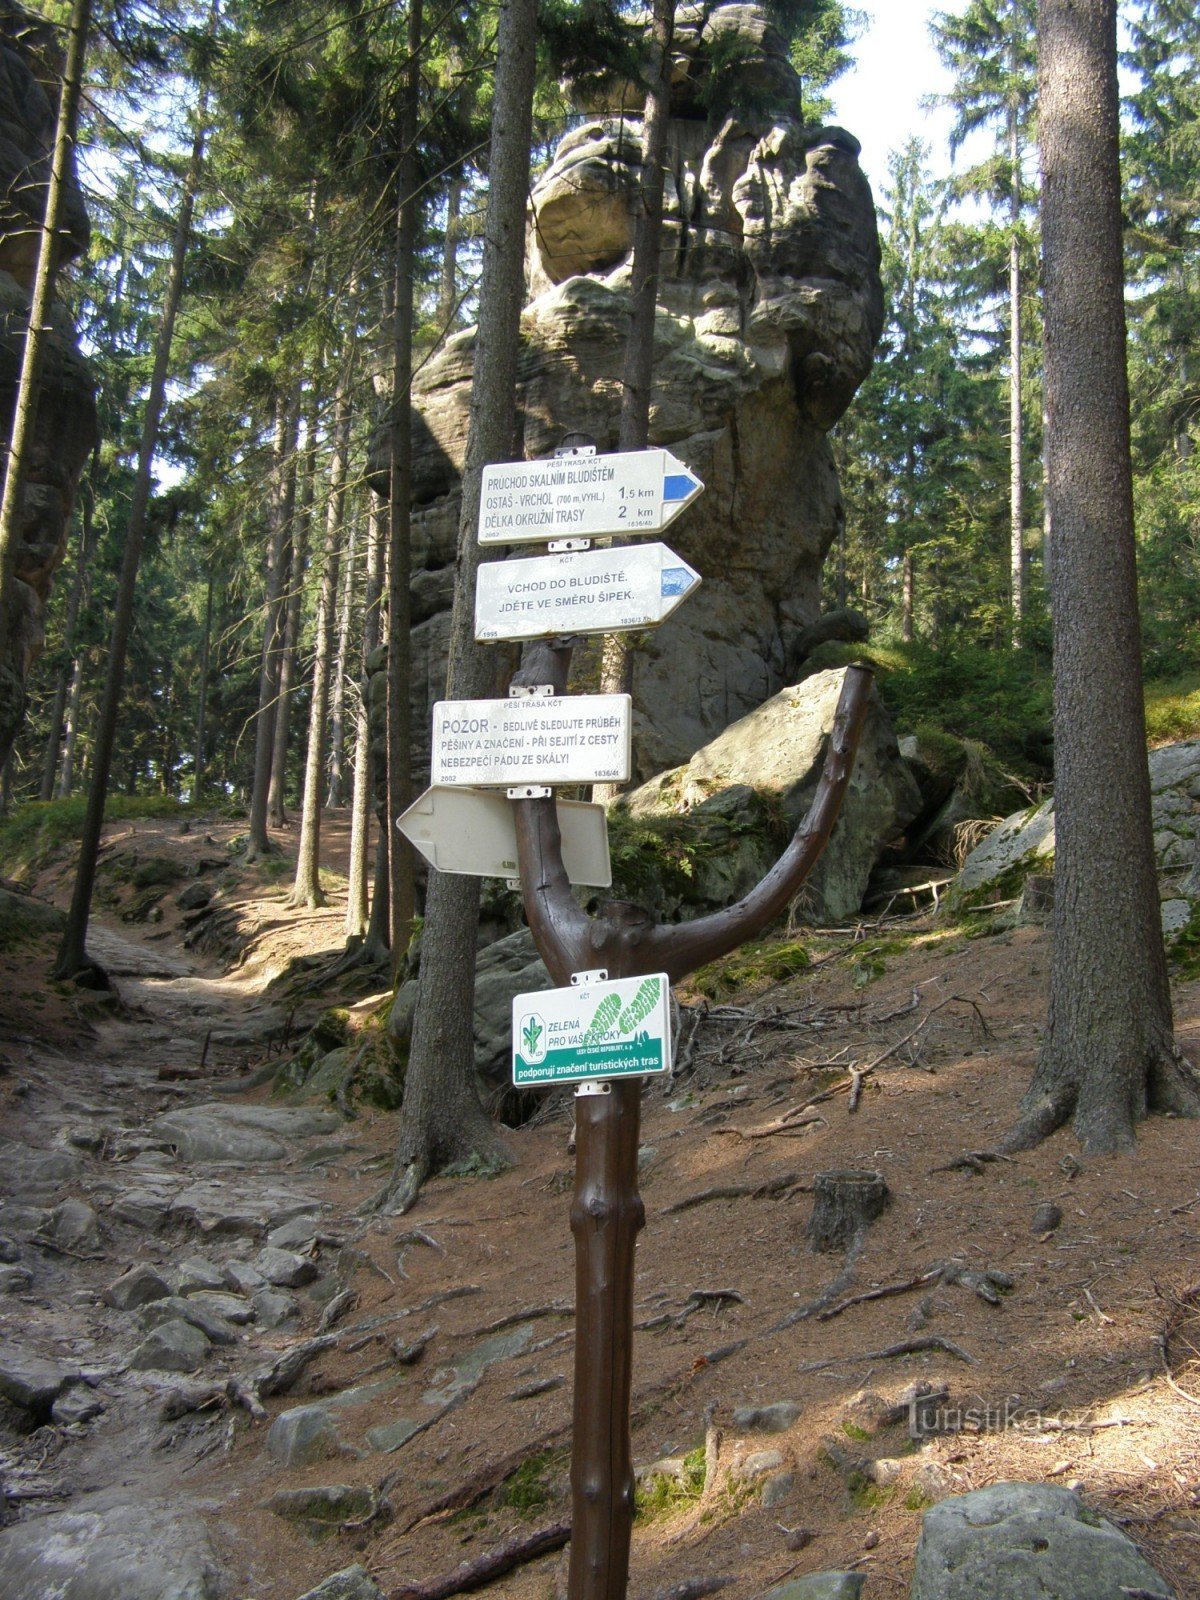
(555, 1308)
(884, 1292)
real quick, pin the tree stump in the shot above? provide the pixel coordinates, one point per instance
(845, 1204)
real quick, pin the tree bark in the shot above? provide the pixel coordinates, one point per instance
(442, 1119)
(29, 382)
(616, 661)
(448, 288)
(1016, 422)
(202, 702)
(1108, 1054)
(72, 954)
(297, 522)
(399, 713)
(908, 588)
(336, 795)
(259, 841)
(360, 827)
(307, 888)
(63, 677)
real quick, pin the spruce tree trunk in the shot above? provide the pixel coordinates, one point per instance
(29, 383)
(259, 841)
(448, 287)
(442, 1119)
(307, 889)
(72, 954)
(399, 714)
(616, 662)
(337, 714)
(908, 591)
(360, 827)
(71, 732)
(297, 521)
(202, 705)
(63, 677)
(1108, 1054)
(1016, 422)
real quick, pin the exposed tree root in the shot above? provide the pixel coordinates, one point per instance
(906, 1347)
(490, 1565)
(784, 1183)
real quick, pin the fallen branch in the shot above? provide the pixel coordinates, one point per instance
(906, 1347)
(884, 1292)
(490, 1565)
(735, 1191)
(555, 1308)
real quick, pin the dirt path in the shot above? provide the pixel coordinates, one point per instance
(449, 1332)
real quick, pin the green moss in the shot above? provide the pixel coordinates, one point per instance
(917, 1500)
(665, 1493)
(868, 1496)
(529, 1488)
(767, 961)
(853, 1431)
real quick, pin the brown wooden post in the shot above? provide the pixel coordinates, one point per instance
(607, 1212)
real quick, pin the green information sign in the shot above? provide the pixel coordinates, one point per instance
(620, 1029)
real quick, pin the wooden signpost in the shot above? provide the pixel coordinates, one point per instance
(607, 1024)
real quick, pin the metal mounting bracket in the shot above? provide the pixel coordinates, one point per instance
(580, 980)
(529, 791)
(582, 1090)
(523, 691)
(562, 547)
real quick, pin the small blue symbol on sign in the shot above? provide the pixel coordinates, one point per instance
(678, 486)
(676, 580)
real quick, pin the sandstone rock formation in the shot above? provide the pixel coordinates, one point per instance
(30, 68)
(769, 310)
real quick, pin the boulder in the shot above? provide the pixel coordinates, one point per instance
(778, 751)
(135, 1288)
(33, 1382)
(1014, 1540)
(769, 307)
(175, 1308)
(175, 1346)
(327, 1506)
(302, 1435)
(109, 1548)
(777, 1418)
(284, 1268)
(72, 1229)
(241, 1133)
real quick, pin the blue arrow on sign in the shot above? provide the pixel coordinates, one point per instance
(680, 486)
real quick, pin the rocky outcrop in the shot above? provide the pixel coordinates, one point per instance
(778, 752)
(769, 309)
(30, 67)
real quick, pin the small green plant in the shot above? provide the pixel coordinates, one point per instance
(868, 1496)
(526, 1491)
(853, 1431)
(665, 1494)
(916, 1499)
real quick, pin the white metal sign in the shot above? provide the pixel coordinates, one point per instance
(618, 1029)
(534, 739)
(590, 591)
(583, 497)
(473, 831)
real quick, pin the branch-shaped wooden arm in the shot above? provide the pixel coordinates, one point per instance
(624, 940)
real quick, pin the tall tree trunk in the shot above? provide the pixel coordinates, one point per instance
(907, 597)
(259, 841)
(71, 731)
(441, 1118)
(29, 382)
(1016, 422)
(307, 890)
(297, 523)
(399, 714)
(360, 827)
(337, 714)
(72, 954)
(202, 704)
(448, 287)
(616, 662)
(1108, 1053)
(63, 676)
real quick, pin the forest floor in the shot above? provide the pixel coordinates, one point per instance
(1066, 1378)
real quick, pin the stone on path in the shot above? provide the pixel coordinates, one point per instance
(109, 1549)
(777, 1418)
(33, 1382)
(137, 1287)
(272, 1307)
(284, 1268)
(303, 1435)
(192, 1311)
(1014, 1540)
(72, 1228)
(240, 1133)
(326, 1505)
(174, 1347)
(195, 1274)
(351, 1583)
(823, 1586)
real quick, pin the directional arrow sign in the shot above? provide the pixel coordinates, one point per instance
(536, 739)
(620, 1029)
(591, 591)
(473, 831)
(583, 497)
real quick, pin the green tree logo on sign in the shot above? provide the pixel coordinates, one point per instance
(533, 1038)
